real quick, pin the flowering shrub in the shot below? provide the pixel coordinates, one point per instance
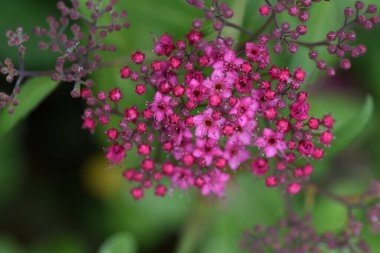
(218, 106)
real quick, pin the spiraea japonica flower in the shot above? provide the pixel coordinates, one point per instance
(214, 111)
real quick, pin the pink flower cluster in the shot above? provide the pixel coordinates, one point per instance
(213, 112)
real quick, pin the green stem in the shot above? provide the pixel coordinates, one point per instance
(194, 229)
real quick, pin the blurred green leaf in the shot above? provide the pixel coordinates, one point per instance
(150, 225)
(61, 243)
(33, 92)
(8, 245)
(329, 215)
(11, 161)
(353, 128)
(119, 243)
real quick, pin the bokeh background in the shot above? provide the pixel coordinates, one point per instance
(59, 195)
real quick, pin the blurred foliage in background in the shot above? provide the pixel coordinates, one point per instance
(58, 194)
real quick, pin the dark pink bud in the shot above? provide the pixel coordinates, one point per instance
(305, 148)
(283, 126)
(294, 188)
(326, 138)
(345, 64)
(141, 127)
(188, 160)
(137, 193)
(125, 72)
(112, 134)
(299, 74)
(264, 10)
(131, 114)
(138, 57)
(129, 174)
(293, 10)
(220, 163)
(147, 165)
(178, 90)
(144, 149)
(271, 181)
(313, 123)
(214, 100)
(167, 168)
(160, 191)
(259, 166)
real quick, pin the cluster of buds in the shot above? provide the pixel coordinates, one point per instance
(79, 51)
(295, 234)
(212, 113)
(79, 55)
(17, 39)
(337, 42)
(9, 70)
(282, 34)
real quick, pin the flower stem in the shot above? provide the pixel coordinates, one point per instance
(194, 229)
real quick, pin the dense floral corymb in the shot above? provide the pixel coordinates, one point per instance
(213, 111)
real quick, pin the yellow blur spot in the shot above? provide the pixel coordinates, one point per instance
(99, 178)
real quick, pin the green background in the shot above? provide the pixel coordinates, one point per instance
(58, 194)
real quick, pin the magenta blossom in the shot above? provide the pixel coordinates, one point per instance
(271, 142)
(207, 125)
(115, 153)
(230, 64)
(243, 130)
(235, 154)
(245, 106)
(196, 91)
(161, 106)
(207, 150)
(183, 178)
(215, 182)
(218, 84)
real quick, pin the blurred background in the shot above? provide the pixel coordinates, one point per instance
(58, 194)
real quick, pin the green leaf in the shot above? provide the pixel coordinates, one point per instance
(11, 167)
(32, 94)
(8, 245)
(353, 128)
(119, 243)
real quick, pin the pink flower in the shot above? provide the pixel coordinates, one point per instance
(196, 92)
(271, 142)
(230, 64)
(183, 178)
(115, 153)
(259, 166)
(243, 130)
(164, 46)
(161, 106)
(257, 53)
(207, 125)
(245, 106)
(215, 182)
(207, 150)
(184, 146)
(218, 84)
(235, 154)
(299, 110)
